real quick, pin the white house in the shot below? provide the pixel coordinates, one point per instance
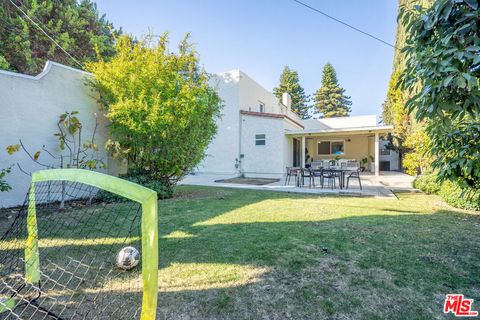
(260, 136)
(257, 136)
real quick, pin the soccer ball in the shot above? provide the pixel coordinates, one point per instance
(128, 258)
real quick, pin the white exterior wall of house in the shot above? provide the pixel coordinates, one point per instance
(252, 94)
(265, 159)
(236, 132)
(269, 160)
(224, 149)
(29, 110)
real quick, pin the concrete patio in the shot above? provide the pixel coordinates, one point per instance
(373, 186)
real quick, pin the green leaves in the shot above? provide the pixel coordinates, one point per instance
(330, 99)
(443, 50)
(4, 186)
(161, 109)
(290, 82)
(76, 25)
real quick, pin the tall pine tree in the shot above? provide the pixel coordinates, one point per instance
(289, 82)
(330, 100)
(75, 25)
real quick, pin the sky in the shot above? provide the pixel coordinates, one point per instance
(261, 37)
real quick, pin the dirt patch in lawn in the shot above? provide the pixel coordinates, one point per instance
(252, 181)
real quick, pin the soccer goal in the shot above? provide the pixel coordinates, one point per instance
(83, 246)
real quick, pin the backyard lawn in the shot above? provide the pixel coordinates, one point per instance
(237, 254)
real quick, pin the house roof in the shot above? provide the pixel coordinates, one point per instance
(271, 115)
(355, 130)
(341, 125)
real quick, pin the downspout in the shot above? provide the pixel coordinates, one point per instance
(240, 155)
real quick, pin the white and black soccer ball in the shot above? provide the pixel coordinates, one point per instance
(128, 258)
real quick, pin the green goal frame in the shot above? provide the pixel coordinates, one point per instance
(149, 226)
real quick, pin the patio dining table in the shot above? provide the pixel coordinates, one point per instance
(339, 169)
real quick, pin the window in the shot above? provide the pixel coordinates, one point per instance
(324, 147)
(261, 106)
(259, 139)
(384, 152)
(331, 148)
(337, 147)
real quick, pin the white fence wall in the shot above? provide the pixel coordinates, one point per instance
(29, 110)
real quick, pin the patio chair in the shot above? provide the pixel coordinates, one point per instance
(355, 175)
(291, 171)
(307, 173)
(330, 175)
(353, 164)
(316, 164)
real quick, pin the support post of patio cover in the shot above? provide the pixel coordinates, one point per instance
(303, 152)
(377, 155)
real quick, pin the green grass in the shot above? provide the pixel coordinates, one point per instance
(241, 254)
(237, 254)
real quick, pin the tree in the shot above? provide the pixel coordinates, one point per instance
(4, 186)
(394, 112)
(161, 108)
(75, 25)
(330, 99)
(443, 78)
(289, 82)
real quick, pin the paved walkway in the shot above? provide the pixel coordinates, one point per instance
(379, 187)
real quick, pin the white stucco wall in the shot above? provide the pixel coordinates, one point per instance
(267, 160)
(29, 110)
(224, 149)
(240, 92)
(252, 93)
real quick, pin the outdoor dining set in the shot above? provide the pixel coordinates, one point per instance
(327, 173)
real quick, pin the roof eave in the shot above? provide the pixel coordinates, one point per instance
(364, 130)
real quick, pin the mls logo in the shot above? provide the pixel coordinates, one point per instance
(459, 306)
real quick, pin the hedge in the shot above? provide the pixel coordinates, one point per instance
(450, 192)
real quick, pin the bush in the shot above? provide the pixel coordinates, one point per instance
(427, 183)
(450, 192)
(161, 108)
(455, 196)
(164, 189)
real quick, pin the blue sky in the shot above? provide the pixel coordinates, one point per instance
(261, 37)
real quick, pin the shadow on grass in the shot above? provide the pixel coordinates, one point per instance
(375, 265)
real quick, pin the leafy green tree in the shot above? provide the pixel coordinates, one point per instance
(4, 186)
(394, 112)
(330, 99)
(289, 82)
(75, 25)
(4, 65)
(161, 108)
(442, 76)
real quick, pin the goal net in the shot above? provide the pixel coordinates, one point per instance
(83, 246)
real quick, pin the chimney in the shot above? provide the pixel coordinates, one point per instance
(287, 100)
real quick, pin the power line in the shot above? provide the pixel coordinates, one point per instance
(345, 24)
(46, 34)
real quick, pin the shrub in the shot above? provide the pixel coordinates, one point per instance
(451, 192)
(458, 197)
(161, 107)
(427, 183)
(442, 78)
(164, 189)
